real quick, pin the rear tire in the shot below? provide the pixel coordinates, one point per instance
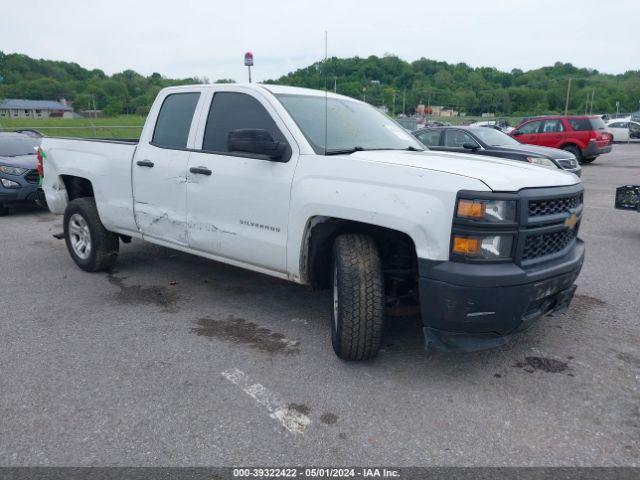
(3, 210)
(90, 245)
(588, 160)
(575, 150)
(357, 315)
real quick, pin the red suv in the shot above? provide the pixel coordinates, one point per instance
(584, 136)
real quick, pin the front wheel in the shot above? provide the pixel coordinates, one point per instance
(358, 298)
(90, 245)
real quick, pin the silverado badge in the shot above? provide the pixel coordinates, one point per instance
(571, 221)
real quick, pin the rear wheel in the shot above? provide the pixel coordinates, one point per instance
(358, 298)
(90, 245)
(575, 150)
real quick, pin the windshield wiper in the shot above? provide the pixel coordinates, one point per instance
(344, 151)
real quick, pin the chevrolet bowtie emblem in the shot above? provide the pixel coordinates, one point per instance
(571, 222)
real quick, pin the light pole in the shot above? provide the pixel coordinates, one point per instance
(566, 104)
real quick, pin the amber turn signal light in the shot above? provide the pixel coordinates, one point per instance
(471, 209)
(468, 246)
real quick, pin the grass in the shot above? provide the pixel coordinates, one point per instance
(123, 126)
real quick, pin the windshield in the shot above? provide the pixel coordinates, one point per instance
(495, 138)
(350, 125)
(15, 145)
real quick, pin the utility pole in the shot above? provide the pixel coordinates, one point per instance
(393, 109)
(335, 84)
(593, 94)
(566, 104)
(404, 98)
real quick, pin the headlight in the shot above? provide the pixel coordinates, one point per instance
(12, 170)
(9, 183)
(487, 211)
(485, 247)
(543, 162)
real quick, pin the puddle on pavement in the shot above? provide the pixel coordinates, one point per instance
(549, 365)
(329, 418)
(243, 332)
(144, 295)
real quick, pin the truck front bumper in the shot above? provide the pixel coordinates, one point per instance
(467, 307)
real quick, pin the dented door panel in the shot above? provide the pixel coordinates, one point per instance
(160, 194)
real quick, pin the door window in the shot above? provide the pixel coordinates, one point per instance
(457, 138)
(235, 111)
(174, 120)
(552, 126)
(531, 127)
(431, 138)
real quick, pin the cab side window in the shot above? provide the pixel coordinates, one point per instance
(174, 120)
(235, 111)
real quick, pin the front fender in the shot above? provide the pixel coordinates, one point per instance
(416, 202)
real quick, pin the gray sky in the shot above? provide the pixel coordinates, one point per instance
(208, 38)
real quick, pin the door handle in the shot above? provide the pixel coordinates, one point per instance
(145, 163)
(200, 171)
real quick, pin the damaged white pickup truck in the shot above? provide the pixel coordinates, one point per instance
(324, 190)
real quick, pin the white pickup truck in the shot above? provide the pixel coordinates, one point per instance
(324, 190)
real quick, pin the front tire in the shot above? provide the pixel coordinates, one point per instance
(90, 245)
(357, 315)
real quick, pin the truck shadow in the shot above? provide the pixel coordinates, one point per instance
(295, 312)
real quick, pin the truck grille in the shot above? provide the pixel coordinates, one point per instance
(538, 208)
(547, 243)
(32, 176)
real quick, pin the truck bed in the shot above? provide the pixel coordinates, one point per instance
(106, 163)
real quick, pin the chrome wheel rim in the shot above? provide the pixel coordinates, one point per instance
(335, 297)
(79, 236)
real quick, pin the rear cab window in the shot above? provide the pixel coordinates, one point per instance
(174, 120)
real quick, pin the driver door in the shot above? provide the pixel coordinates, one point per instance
(238, 203)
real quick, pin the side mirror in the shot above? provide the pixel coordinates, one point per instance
(257, 141)
(470, 146)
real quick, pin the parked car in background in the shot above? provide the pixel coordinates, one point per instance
(494, 143)
(498, 123)
(622, 130)
(18, 168)
(584, 136)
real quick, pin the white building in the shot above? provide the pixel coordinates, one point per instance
(19, 109)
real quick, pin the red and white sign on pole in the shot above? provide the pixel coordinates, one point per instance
(248, 61)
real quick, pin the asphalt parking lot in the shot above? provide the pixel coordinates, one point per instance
(175, 360)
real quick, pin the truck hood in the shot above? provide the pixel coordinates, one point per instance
(498, 174)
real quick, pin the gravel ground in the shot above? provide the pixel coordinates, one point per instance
(175, 360)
